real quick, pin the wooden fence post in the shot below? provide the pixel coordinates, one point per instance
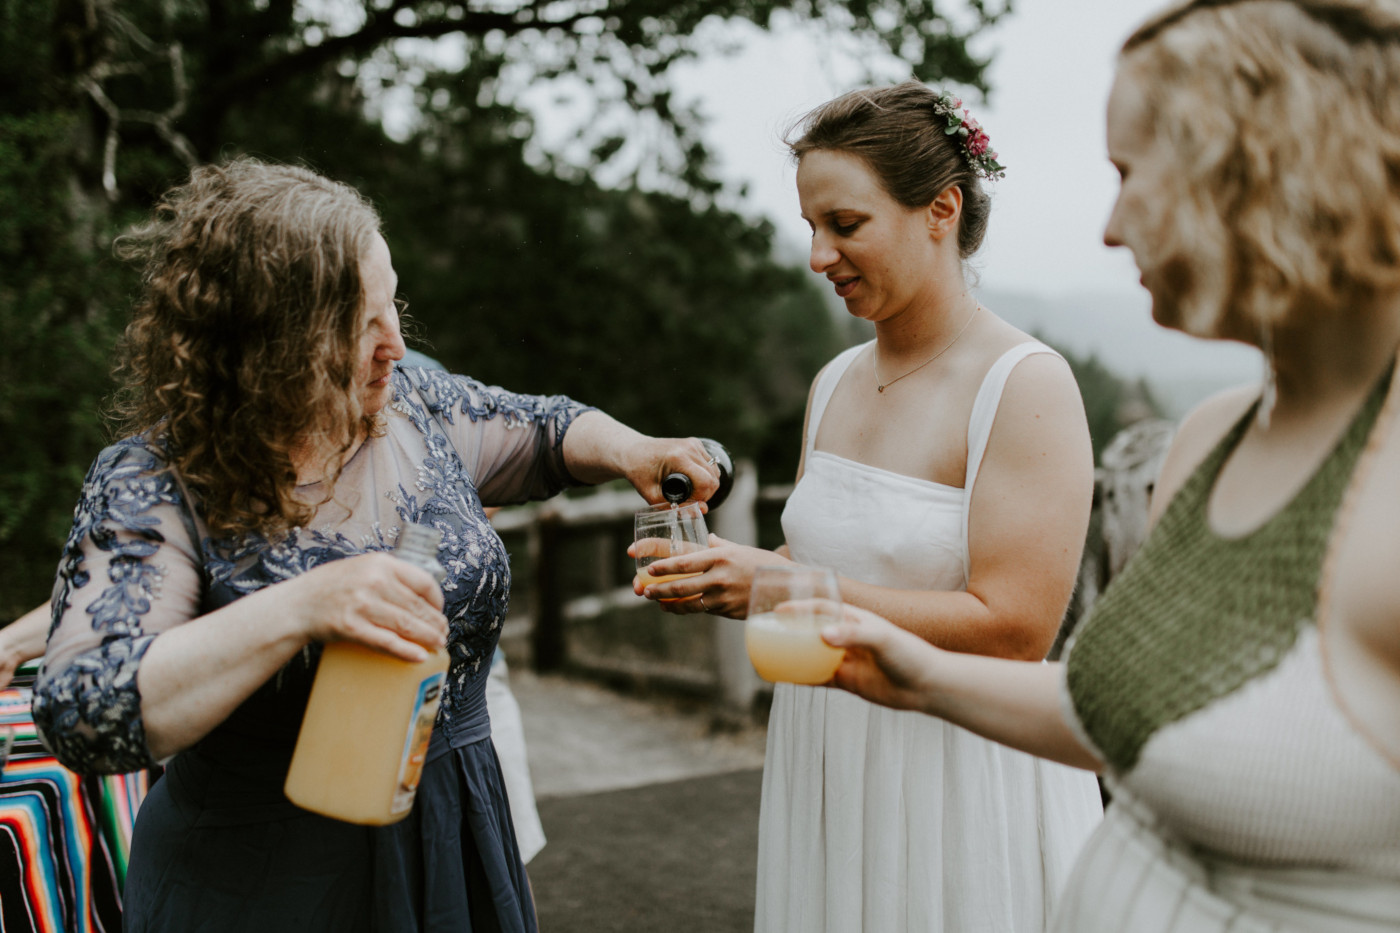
(737, 521)
(549, 647)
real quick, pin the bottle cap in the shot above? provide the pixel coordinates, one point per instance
(418, 544)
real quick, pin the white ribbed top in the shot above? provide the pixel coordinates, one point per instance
(1275, 774)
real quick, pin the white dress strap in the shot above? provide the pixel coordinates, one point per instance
(984, 414)
(826, 386)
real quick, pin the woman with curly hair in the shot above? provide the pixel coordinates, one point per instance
(274, 453)
(1238, 684)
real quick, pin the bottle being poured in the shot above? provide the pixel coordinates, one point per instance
(677, 526)
(678, 487)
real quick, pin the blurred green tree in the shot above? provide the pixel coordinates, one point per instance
(651, 297)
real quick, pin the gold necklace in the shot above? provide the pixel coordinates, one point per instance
(875, 362)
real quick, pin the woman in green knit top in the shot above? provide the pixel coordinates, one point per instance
(1238, 686)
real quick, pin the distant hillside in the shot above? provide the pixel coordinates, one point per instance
(1119, 330)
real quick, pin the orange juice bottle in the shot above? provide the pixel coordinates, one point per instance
(365, 735)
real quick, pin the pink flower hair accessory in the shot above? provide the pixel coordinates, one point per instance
(976, 145)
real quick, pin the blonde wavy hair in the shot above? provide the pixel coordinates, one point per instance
(1284, 116)
(242, 343)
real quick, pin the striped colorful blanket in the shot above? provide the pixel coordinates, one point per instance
(64, 839)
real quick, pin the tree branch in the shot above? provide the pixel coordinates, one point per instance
(163, 121)
(380, 28)
(109, 148)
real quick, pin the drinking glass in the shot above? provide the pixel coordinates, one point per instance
(666, 531)
(788, 608)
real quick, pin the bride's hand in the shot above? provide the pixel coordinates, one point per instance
(722, 588)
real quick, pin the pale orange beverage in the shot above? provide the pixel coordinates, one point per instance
(647, 579)
(365, 735)
(787, 647)
(667, 531)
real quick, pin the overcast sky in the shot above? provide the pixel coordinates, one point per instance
(1053, 64)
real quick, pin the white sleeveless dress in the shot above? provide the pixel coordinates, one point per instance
(895, 822)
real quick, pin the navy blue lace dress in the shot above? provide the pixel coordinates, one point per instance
(217, 846)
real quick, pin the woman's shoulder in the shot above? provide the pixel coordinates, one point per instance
(823, 384)
(1208, 422)
(425, 379)
(423, 393)
(1022, 367)
(1196, 437)
(833, 369)
(130, 485)
(1028, 402)
(131, 457)
(434, 391)
(842, 361)
(1004, 343)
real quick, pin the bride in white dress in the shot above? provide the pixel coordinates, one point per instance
(946, 476)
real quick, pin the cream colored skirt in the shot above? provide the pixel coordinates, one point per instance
(1130, 879)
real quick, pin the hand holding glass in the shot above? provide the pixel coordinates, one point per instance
(668, 531)
(788, 608)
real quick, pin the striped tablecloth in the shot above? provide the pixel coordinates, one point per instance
(64, 839)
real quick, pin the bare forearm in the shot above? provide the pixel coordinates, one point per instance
(23, 639)
(957, 620)
(196, 674)
(1016, 703)
(595, 447)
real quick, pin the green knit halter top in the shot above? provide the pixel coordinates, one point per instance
(1194, 616)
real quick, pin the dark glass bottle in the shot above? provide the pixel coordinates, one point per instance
(677, 487)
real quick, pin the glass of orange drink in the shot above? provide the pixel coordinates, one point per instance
(668, 531)
(788, 608)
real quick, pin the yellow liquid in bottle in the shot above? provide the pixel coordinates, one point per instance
(788, 648)
(365, 735)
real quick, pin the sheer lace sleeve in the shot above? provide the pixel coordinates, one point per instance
(510, 444)
(128, 572)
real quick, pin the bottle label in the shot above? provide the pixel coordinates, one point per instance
(415, 746)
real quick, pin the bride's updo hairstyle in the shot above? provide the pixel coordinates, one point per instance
(1283, 118)
(244, 338)
(901, 134)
